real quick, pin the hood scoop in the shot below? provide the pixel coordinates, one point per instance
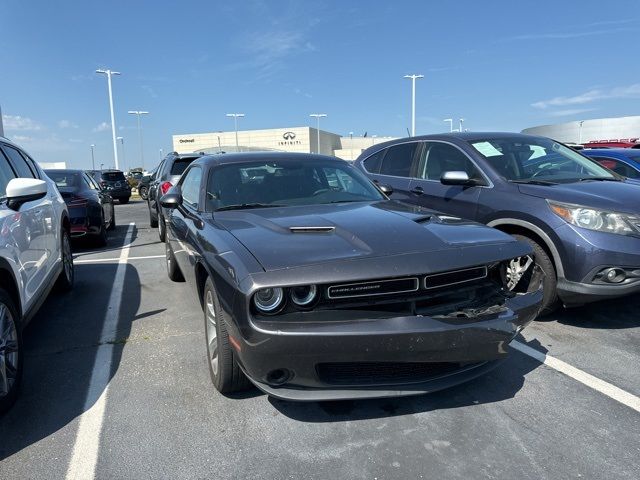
(424, 219)
(311, 229)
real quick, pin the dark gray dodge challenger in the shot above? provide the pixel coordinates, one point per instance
(316, 286)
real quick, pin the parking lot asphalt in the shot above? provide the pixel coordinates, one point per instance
(116, 386)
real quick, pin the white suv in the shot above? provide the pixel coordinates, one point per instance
(35, 255)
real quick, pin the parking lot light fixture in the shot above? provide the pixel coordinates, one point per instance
(318, 116)
(93, 160)
(235, 123)
(121, 139)
(413, 101)
(450, 120)
(138, 113)
(109, 74)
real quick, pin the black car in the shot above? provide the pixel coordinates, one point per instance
(114, 182)
(316, 286)
(167, 175)
(91, 211)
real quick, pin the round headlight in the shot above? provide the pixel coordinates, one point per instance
(304, 295)
(267, 300)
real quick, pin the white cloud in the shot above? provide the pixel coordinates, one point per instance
(629, 91)
(66, 124)
(21, 138)
(570, 112)
(16, 123)
(103, 127)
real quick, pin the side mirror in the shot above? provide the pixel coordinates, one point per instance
(22, 190)
(171, 200)
(457, 178)
(386, 189)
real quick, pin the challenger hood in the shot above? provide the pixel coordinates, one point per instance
(306, 235)
(616, 196)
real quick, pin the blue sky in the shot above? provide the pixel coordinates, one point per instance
(502, 65)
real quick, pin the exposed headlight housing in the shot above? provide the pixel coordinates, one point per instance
(268, 300)
(304, 295)
(598, 220)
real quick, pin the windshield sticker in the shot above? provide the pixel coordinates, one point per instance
(486, 149)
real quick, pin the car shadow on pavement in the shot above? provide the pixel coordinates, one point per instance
(499, 384)
(60, 346)
(618, 313)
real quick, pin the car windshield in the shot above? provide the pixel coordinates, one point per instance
(541, 160)
(305, 182)
(113, 176)
(64, 179)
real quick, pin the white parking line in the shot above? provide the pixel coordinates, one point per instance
(116, 259)
(83, 461)
(585, 378)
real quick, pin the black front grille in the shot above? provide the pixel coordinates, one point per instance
(438, 280)
(382, 373)
(377, 287)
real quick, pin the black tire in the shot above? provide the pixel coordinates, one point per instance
(142, 191)
(112, 224)
(162, 228)
(124, 200)
(153, 221)
(101, 238)
(550, 300)
(67, 276)
(173, 270)
(10, 350)
(226, 375)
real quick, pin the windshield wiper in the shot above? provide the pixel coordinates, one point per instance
(600, 179)
(247, 206)
(534, 182)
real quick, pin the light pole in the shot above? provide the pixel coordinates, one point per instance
(109, 73)
(413, 101)
(235, 122)
(124, 164)
(93, 160)
(318, 116)
(580, 131)
(461, 120)
(351, 137)
(161, 154)
(138, 113)
(450, 120)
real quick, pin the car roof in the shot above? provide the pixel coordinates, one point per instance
(625, 152)
(63, 170)
(249, 157)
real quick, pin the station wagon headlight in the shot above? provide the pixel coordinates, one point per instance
(598, 220)
(304, 295)
(268, 300)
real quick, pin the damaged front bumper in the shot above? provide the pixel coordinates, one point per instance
(348, 354)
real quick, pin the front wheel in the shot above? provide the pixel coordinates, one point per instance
(226, 375)
(162, 228)
(153, 221)
(173, 271)
(10, 352)
(142, 191)
(550, 300)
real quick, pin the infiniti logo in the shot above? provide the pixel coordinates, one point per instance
(288, 135)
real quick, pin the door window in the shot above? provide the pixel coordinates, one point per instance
(191, 187)
(618, 167)
(6, 174)
(438, 158)
(18, 162)
(372, 164)
(398, 159)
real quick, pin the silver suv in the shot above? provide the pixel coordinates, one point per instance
(35, 255)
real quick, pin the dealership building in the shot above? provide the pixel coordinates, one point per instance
(290, 139)
(595, 130)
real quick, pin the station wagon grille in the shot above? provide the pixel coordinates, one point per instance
(374, 288)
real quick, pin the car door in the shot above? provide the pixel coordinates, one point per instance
(435, 158)
(38, 242)
(182, 228)
(105, 200)
(393, 167)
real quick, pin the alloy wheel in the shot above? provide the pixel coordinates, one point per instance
(67, 258)
(212, 332)
(516, 269)
(8, 351)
